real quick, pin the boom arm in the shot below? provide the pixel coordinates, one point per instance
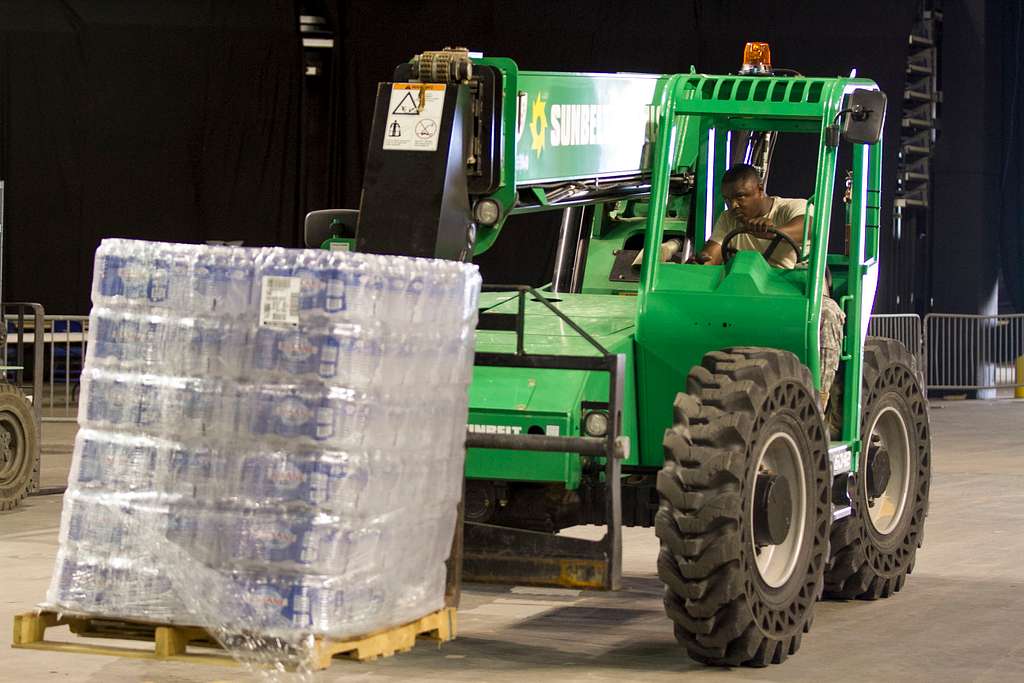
(476, 140)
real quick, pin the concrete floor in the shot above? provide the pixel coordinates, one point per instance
(960, 617)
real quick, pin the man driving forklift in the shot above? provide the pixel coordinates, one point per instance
(751, 207)
(761, 218)
(773, 226)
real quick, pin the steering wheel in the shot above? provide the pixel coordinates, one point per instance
(728, 252)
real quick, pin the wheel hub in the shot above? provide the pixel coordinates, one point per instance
(879, 470)
(12, 449)
(778, 505)
(6, 452)
(887, 471)
(772, 509)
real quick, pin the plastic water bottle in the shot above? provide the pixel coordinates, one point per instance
(343, 354)
(134, 273)
(195, 471)
(223, 282)
(288, 602)
(330, 481)
(295, 539)
(210, 347)
(113, 462)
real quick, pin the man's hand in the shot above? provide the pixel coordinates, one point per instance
(759, 222)
(711, 255)
(762, 222)
(794, 229)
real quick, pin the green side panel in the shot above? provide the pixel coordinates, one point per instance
(695, 309)
(608, 319)
(524, 401)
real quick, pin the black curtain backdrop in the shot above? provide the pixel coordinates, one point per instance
(1011, 172)
(148, 119)
(654, 37)
(184, 121)
(977, 168)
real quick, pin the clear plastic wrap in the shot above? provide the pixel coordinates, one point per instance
(270, 442)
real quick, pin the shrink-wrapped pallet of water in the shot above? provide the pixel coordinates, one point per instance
(269, 438)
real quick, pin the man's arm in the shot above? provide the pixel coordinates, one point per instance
(711, 254)
(794, 229)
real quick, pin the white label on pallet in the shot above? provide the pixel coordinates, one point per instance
(279, 301)
(414, 117)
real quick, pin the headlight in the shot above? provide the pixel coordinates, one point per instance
(487, 212)
(595, 423)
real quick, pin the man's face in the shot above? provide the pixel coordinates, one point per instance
(745, 198)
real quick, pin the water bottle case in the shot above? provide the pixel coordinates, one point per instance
(270, 438)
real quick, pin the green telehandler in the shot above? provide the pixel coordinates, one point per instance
(650, 392)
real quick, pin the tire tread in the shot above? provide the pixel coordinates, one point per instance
(700, 516)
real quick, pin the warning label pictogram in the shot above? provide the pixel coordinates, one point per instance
(407, 106)
(415, 115)
(427, 128)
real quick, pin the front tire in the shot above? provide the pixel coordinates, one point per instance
(742, 570)
(874, 549)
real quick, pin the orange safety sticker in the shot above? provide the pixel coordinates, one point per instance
(418, 86)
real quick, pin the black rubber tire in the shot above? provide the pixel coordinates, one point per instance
(867, 565)
(724, 613)
(19, 446)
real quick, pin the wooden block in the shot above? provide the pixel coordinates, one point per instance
(170, 641)
(28, 628)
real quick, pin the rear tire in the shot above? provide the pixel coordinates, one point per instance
(736, 599)
(19, 446)
(874, 549)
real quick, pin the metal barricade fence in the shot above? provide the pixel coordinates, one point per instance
(974, 352)
(56, 345)
(66, 338)
(903, 327)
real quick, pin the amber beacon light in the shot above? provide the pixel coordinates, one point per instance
(757, 59)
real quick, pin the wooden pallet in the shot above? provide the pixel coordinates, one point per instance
(172, 642)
